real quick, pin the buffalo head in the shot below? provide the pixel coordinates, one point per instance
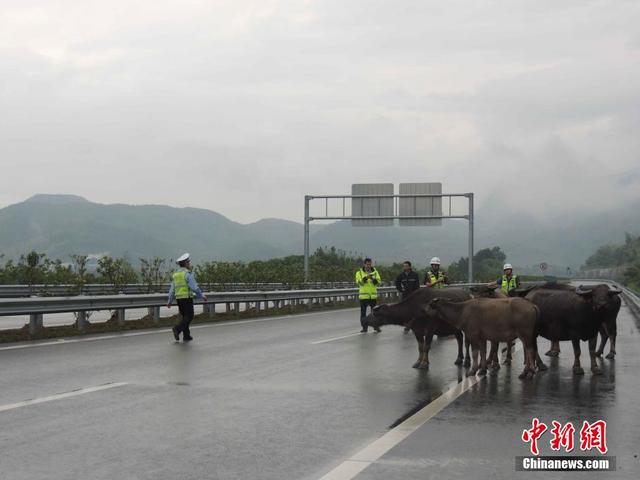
(600, 296)
(379, 316)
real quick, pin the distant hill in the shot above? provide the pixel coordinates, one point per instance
(61, 225)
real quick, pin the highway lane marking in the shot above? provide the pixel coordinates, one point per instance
(336, 338)
(63, 341)
(61, 396)
(351, 467)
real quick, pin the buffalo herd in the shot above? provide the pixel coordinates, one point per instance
(555, 311)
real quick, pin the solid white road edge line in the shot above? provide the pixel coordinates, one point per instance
(62, 341)
(60, 396)
(351, 467)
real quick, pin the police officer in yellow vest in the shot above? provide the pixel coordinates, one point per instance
(508, 282)
(435, 278)
(183, 289)
(367, 279)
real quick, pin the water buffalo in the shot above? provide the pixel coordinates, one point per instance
(568, 313)
(492, 291)
(493, 320)
(411, 312)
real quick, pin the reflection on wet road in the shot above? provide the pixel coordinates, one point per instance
(478, 435)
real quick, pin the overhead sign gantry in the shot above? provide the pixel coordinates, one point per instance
(376, 205)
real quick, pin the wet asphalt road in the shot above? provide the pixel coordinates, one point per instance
(262, 399)
(244, 400)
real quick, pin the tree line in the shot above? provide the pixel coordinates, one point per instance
(325, 265)
(626, 255)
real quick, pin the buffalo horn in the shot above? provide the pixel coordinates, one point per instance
(582, 291)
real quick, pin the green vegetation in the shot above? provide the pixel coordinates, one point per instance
(626, 255)
(487, 266)
(325, 265)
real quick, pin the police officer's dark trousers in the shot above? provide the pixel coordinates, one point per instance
(185, 306)
(363, 311)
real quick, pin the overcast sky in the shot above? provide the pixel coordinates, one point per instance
(244, 106)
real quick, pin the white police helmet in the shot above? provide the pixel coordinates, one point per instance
(507, 266)
(435, 261)
(182, 258)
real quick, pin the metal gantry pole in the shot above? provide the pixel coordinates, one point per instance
(471, 238)
(307, 198)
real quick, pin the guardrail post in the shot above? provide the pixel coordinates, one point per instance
(35, 323)
(237, 307)
(82, 321)
(228, 307)
(120, 316)
(210, 309)
(154, 313)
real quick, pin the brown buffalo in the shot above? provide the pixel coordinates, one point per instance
(493, 320)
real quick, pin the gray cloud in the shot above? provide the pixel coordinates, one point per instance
(243, 107)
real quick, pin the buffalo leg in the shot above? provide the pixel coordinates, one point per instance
(554, 351)
(460, 354)
(595, 369)
(467, 358)
(494, 361)
(612, 346)
(577, 368)
(483, 358)
(603, 340)
(427, 346)
(539, 363)
(529, 356)
(420, 340)
(606, 332)
(508, 357)
(474, 368)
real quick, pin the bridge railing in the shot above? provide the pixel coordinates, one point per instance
(37, 307)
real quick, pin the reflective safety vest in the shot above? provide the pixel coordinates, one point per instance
(434, 279)
(181, 287)
(509, 284)
(368, 291)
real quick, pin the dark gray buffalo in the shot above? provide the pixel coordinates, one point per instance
(568, 313)
(411, 312)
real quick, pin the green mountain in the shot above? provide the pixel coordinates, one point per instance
(61, 225)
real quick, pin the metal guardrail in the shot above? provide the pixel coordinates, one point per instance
(36, 307)
(16, 291)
